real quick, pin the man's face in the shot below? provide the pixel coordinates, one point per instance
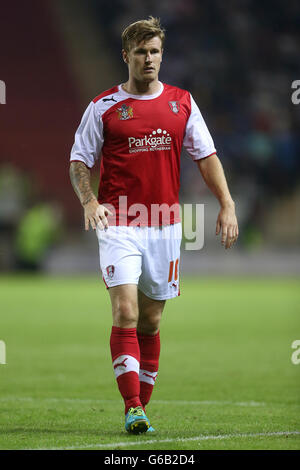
(144, 60)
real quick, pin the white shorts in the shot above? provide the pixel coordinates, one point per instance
(146, 256)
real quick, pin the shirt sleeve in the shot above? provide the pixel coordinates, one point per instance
(197, 139)
(88, 137)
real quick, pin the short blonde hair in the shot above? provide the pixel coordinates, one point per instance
(142, 31)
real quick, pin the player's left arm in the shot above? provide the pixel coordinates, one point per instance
(213, 174)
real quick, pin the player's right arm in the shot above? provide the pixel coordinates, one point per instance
(94, 213)
(84, 153)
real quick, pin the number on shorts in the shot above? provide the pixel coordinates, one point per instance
(172, 271)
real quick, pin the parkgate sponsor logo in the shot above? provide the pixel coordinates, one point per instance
(159, 139)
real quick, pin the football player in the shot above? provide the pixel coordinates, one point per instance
(138, 129)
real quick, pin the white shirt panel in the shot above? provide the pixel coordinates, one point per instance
(89, 137)
(197, 140)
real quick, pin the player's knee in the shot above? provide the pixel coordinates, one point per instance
(149, 325)
(125, 315)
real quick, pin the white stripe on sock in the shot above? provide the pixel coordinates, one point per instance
(125, 363)
(147, 376)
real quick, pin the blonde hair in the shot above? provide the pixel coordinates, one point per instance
(141, 31)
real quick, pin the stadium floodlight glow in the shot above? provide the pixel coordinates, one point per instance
(2, 92)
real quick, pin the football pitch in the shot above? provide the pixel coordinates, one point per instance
(226, 377)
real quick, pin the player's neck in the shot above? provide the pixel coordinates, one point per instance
(134, 87)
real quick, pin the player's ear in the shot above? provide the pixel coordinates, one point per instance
(125, 56)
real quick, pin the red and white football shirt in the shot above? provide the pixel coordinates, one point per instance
(140, 138)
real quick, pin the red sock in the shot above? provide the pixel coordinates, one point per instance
(125, 353)
(149, 350)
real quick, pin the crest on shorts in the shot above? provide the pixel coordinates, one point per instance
(174, 105)
(110, 270)
(125, 112)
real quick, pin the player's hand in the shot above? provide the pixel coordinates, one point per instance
(95, 215)
(228, 226)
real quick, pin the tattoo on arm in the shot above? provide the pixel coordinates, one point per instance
(80, 177)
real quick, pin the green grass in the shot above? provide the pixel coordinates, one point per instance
(226, 379)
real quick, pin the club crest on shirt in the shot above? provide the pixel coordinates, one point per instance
(110, 270)
(174, 106)
(124, 112)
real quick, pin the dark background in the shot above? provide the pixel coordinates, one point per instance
(238, 59)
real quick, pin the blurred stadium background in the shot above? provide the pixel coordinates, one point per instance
(238, 59)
